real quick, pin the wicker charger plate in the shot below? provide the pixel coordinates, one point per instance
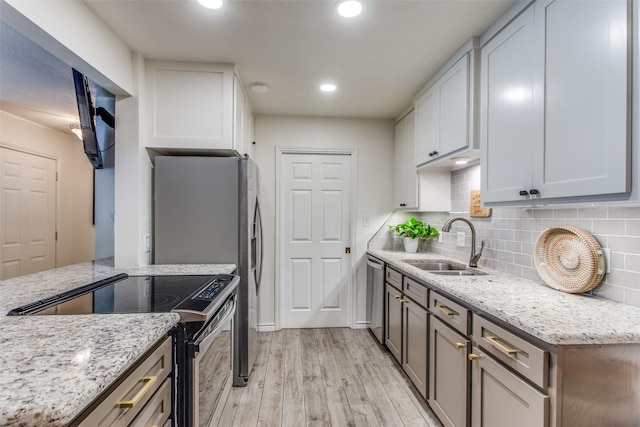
(569, 259)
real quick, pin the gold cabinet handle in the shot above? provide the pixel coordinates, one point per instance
(473, 357)
(460, 345)
(446, 310)
(397, 297)
(406, 301)
(506, 350)
(148, 384)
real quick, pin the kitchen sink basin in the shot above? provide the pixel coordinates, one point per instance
(459, 273)
(434, 265)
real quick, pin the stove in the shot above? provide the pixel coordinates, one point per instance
(193, 297)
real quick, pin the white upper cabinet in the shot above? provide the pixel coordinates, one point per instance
(445, 111)
(195, 106)
(555, 104)
(405, 177)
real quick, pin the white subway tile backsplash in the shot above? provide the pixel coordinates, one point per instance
(511, 233)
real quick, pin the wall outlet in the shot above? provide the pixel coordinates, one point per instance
(461, 239)
(366, 221)
(147, 243)
(607, 259)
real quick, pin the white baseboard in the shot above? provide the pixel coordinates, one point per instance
(267, 327)
(362, 324)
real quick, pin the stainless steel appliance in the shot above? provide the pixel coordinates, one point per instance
(375, 297)
(203, 339)
(207, 211)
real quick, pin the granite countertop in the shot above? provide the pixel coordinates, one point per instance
(55, 366)
(555, 317)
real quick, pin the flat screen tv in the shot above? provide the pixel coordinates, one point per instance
(96, 109)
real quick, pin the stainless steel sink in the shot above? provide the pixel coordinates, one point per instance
(459, 273)
(434, 265)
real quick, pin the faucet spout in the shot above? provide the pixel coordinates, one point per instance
(475, 256)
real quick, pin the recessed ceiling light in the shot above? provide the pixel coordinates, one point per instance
(349, 8)
(211, 4)
(328, 87)
(259, 87)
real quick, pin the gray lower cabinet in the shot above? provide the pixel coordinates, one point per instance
(393, 320)
(448, 374)
(500, 398)
(415, 343)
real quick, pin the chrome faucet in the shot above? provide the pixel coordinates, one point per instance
(475, 256)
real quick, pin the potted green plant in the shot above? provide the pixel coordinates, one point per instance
(412, 231)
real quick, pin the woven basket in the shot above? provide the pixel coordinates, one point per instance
(569, 259)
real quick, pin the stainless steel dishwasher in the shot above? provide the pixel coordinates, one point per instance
(375, 297)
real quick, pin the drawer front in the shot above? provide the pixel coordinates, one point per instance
(393, 277)
(157, 411)
(451, 313)
(416, 291)
(137, 388)
(529, 360)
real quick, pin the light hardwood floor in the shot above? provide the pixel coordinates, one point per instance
(325, 377)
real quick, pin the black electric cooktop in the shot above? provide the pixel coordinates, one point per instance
(133, 294)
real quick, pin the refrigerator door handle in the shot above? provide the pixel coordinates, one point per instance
(259, 246)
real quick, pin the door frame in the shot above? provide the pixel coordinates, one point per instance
(57, 196)
(353, 153)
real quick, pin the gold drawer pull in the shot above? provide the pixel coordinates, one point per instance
(406, 301)
(473, 357)
(149, 381)
(460, 345)
(397, 297)
(446, 310)
(506, 350)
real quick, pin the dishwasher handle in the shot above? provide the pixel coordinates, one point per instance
(373, 264)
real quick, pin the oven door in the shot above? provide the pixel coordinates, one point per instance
(210, 362)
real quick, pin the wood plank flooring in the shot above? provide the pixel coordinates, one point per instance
(325, 377)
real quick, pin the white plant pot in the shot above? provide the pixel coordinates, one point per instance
(410, 245)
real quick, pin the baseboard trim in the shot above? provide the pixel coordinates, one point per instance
(267, 327)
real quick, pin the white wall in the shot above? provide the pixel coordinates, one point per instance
(373, 140)
(74, 192)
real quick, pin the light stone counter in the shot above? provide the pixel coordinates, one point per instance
(52, 367)
(555, 317)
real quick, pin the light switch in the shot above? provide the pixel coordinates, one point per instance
(147, 243)
(366, 221)
(461, 240)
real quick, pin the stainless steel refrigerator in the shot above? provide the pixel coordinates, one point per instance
(206, 211)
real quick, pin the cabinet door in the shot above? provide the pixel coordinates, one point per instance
(239, 118)
(454, 107)
(393, 321)
(189, 105)
(586, 101)
(508, 125)
(448, 374)
(501, 399)
(415, 342)
(427, 125)
(405, 172)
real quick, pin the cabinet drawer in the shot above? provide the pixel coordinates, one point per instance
(416, 291)
(137, 388)
(520, 355)
(157, 411)
(393, 277)
(451, 313)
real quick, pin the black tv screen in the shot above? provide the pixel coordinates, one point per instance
(96, 109)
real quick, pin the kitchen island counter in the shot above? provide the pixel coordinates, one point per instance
(552, 316)
(53, 367)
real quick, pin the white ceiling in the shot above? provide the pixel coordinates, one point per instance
(378, 60)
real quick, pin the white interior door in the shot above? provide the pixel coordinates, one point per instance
(315, 234)
(27, 213)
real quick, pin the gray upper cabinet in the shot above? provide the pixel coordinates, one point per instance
(555, 104)
(405, 176)
(445, 109)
